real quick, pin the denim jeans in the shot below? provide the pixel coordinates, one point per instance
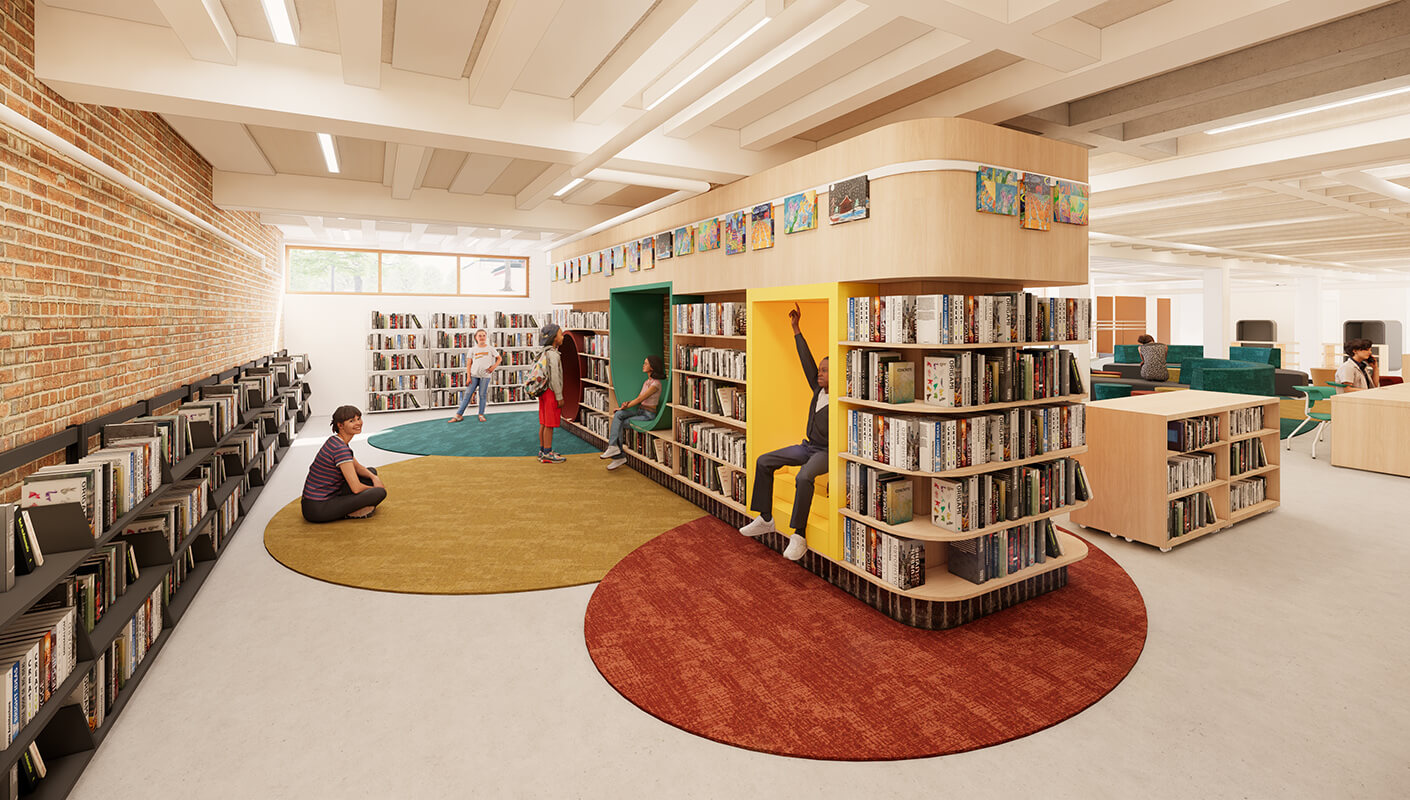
(614, 433)
(484, 386)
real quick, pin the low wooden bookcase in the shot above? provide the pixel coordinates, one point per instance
(1126, 462)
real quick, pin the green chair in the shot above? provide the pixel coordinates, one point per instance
(1313, 395)
(1107, 391)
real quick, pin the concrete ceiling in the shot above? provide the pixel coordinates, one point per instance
(453, 119)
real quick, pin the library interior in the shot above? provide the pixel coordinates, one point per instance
(544, 305)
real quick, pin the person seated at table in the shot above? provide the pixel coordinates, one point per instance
(811, 455)
(1153, 355)
(338, 486)
(643, 406)
(1359, 371)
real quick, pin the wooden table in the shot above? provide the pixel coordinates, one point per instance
(1371, 430)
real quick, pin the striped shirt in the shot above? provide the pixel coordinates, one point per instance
(325, 479)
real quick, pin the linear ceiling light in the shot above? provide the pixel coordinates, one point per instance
(716, 57)
(277, 12)
(573, 184)
(330, 156)
(1313, 110)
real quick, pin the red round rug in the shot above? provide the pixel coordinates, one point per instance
(720, 636)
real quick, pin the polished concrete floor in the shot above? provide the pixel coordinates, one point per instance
(1277, 666)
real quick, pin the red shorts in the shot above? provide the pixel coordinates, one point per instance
(548, 409)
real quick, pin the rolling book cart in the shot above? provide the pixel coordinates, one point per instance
(136, 626)
(918, 212)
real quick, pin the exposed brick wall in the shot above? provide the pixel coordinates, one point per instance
(106, 298)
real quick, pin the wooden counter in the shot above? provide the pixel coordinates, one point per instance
(1371, 430)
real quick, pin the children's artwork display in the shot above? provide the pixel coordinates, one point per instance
(734, 233)
(800, 212)
(663, 246)
(1070, 202)
(648, 254)
(848, 200)
(707, 236)
(996, 191)
(761, 226)
(685, 240)
(1035, 204)
(619, 257)
(633, 256)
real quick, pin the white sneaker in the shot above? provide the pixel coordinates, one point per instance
(611, 452)
(616, 462)
(797, 546)
(758, 527)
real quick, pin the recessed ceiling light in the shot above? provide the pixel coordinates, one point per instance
(1313, 110)
(330, 156)
(1390, 173)
(716, 57)
(278, 13)
(573, 184)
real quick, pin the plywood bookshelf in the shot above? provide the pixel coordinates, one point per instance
(1127, 457)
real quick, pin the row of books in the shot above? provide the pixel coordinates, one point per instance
(411, 381)
(472, 321)
(1183, 435)
(218, 407)
(1003, 553)
(382, 320)
(598, 344)
(591, 320)
(596, 424)
(447, 379)
(503, 320)
(1189, 514)
(98, 581)
(881, 375)
(709, 319)
(649, 447)
(928, 444)
(595, 369)
(38, 652)
(1247, 492)
(722, 442)
(1188, 470)
(968, 319)
(450, 360)
(713, 397)
(446, 339)
(392, 402)
(105, 484)
(879, 494)
(978, 501)
(396, 341)
(1246, 455)
(723, 362)
(596, 399)
(715, 477)
(503, 339)
(511, 376)
(954, 380)
(509, 394)
(1245, 420)
(896, 560)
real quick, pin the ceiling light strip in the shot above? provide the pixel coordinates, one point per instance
(330, 155)
(277, 12)
(1306, 111)
(716, 57)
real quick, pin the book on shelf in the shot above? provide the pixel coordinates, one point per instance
(1245, 420)
(709, 319)
(968, 319)
(723, 362)
(1189, 514)
(395, 341)
(662, 450)
(1003, 553)
(720, 441)
(38, 652)
(1188, 470)
(979, 501)
(954, 380)
(1247, 492)
(712, 397)
(383, 320)
(881, 495)
(896, 560)
(1246, 455)
(471, 321)
(930, 444)
(503, 320)
(1182, 435)
(582, 320)
(392, 402)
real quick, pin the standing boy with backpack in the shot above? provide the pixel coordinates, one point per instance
(551, 399)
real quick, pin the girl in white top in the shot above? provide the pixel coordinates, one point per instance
(483, 360)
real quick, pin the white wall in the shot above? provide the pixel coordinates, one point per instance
(333, 330)
(1277, 303)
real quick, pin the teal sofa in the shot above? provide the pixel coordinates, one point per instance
(1227, 375)
(1175, 355)
(1257, 355)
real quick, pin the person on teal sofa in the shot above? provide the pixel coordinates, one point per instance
(1152, 358)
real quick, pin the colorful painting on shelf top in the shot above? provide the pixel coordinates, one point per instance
(648, 253)
(707, 236)
(1070, 203)
(1035, 204)
(996, 191)
(685, 240)
(761, 226)
(734, 233)
(633, 256)
(663, 246)
(848, 200)
(800, 212)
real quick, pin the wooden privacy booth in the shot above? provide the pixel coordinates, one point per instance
(922, 234)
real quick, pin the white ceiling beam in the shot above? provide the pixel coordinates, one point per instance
(513, 37)
(1371, 183)
(673, 27)
(203, 28)
(478, 172)
(1052, 39)
(593, 192)
(1302, 194)
(406, 169)
(333, 197)
(360, 41)
(434, 37)
(919, 59)
(418, 229)
(315, 227)
(644, 179)
(542, 187)
(226, 145)
(731, 29)
(834, 31)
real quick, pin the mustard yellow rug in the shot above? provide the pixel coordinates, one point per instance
(482, 526)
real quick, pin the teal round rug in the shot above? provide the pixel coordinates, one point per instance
(515, 433)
